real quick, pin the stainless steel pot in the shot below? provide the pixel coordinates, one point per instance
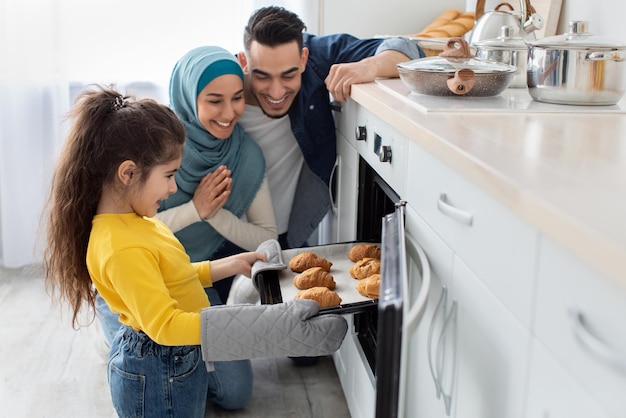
(456, 72)
(508, 48)
(577, 68)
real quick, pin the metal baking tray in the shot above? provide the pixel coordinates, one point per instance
(276, 286)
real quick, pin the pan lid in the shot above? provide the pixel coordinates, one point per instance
(577, 37)
(456, 56)
(509, 40)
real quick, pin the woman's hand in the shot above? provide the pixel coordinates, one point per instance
(212, 192)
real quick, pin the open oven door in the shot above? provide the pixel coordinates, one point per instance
(403, 263)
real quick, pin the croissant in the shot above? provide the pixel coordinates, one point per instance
(322, 295)
(306, 260)
(361, 251)
(365, 268)
(313, 277)
(370, 286)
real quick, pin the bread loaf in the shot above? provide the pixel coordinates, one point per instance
(322, 295)
(314, 277)
(450, 24)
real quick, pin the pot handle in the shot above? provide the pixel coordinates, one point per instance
(480, 9)
(462, 82)
(456, 48)
(605, 56)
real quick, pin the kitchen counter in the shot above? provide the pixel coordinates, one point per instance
(562, 172)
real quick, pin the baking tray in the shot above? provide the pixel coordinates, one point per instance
(276, 286)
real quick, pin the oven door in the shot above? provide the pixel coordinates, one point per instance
(403, 265)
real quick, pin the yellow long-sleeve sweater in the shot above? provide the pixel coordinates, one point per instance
(143, 273)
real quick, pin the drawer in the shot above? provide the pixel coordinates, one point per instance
(581, 321)
(489, 238)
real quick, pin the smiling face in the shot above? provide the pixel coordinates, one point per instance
(220, 105)
(159, 185)
(274, 75)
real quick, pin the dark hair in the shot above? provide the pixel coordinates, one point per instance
(273, 26)
(108, 128)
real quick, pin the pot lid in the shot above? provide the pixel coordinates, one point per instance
(578, 38)
(509, 39)
(456, 56)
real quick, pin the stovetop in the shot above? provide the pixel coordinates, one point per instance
(511, 100)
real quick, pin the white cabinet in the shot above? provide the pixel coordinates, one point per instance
(492, 352)
(580, 322)
(554, 393)
(494, 243)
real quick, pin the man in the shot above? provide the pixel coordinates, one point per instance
(288, 77)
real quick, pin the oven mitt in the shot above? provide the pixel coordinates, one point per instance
(273, 252)
(239, 332)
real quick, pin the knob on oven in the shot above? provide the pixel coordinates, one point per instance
(360, 133)
(384, 153)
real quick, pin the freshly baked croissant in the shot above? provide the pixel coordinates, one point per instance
(360, 251)
(313, 277)
(370, 286)
(365, 268)
(306, 260)
(322, 295)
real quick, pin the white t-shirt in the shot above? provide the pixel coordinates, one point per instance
(283, 158)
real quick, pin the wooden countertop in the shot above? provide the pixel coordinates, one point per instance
(563, 173)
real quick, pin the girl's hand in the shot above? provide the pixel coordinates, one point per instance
(212, 192)
(244, 262)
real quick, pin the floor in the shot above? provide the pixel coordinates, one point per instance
(47, 369)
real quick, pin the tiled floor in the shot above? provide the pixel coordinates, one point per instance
(49, 370)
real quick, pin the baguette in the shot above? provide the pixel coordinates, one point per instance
(446, 27)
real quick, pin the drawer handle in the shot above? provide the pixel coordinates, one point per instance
(599, 349)
(453, 212)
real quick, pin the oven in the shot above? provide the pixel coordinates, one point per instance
(382, 333)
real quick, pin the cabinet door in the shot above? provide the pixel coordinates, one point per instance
(580, 321)
(492, 349)
(553, 392)
(422, 398)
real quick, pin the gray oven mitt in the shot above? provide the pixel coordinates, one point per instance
(237, 332)
(273, 252)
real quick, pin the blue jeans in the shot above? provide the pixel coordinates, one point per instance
(229, 385)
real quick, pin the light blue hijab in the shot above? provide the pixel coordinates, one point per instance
(203, 153)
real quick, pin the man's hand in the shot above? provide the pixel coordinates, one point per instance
(212, 192)
(341, 77)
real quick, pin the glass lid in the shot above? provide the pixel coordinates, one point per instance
(450, 65)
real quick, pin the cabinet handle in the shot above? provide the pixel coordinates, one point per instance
(453, 212)
(441, 306)
(449, 331)
(597, 348)
(415, 252)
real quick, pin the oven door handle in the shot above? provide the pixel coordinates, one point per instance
(416, 311)
(333, 205)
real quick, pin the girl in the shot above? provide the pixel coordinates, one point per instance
(119, 162)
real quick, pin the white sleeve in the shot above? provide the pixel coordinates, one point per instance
(259, 225)
(180, 216)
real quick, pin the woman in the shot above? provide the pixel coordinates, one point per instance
(223, 204)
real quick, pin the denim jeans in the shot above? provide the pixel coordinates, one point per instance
(165, 381)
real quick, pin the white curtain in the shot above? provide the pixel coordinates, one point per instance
(50, 49)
